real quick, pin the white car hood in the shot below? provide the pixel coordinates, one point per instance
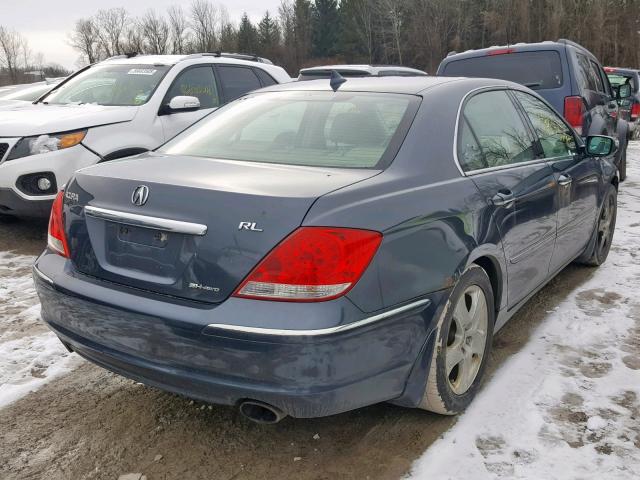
(39, 119)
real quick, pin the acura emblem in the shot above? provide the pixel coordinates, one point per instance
(140, 195)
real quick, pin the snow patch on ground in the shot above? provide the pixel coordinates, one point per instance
(30, 355)
(567, 405)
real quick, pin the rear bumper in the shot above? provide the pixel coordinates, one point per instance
(305, 375)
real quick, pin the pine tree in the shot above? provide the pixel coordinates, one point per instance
(247, 35)
(325, 28)
(268, 35)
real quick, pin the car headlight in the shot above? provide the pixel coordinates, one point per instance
(46, 143)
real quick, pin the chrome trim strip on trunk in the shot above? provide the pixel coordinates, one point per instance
(324, 331)
(145, 221)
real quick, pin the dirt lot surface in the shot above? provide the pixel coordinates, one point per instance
(91, 424)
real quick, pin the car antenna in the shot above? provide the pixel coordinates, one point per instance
(336, 80)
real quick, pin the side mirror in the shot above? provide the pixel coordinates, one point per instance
(600, 146)
(623, 91)
(182, 104)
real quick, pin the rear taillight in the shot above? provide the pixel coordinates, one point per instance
(57, 239)
(574, 112)
(312, 264)
(635, 111)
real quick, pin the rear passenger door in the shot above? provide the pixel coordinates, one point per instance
(236, 80)
(497, 150)
(197, 81)
(576, 176)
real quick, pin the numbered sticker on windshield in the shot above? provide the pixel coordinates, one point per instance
(141, 71)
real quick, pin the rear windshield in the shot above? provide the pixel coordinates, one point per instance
(616, 80)
(121, 85)
(324, 129)
(536, 70)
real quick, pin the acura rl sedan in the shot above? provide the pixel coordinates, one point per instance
(316, 247)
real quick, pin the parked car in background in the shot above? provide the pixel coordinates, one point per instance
(113, 109)
(16, 96)
(28, 92)
(315, 73)
(630, 107)
(307, 251)
(566, 74)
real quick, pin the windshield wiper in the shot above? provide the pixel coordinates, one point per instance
(533, 84)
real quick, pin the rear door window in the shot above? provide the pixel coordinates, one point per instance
(236, 81)
(556, 139)
(196, 82)
(595, 71)
(491, 123)
(588, 76)
(537, 70)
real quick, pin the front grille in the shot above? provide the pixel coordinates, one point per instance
(3, 150)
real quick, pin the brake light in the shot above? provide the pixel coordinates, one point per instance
(574, 112)
(609, 69)
(312, 264)
(500, 51)
(57, 239)
(635, 111)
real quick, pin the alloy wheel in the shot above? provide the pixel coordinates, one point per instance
(466, 340)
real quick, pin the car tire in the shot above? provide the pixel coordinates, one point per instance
(600, 242)
(622, 171)
(451, 386)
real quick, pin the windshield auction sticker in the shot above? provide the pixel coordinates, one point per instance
(141, 71)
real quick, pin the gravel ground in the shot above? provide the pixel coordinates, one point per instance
(78, 421)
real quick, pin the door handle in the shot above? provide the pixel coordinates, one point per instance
(564, 180)
(503, 199)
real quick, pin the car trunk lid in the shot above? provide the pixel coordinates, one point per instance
(202, 227)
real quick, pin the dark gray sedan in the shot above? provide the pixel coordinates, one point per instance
(304, 251)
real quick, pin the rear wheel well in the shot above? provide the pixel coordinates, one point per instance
(492, 269)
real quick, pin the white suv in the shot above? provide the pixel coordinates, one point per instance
(116, 108)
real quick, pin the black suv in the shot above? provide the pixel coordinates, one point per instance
(566, 74)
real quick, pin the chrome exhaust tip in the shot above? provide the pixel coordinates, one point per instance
(260, 412)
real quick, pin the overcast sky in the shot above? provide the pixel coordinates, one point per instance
(46, 24)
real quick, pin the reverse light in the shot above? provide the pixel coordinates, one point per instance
(574, 112)
(312, 264)
(56, 238)
(46, 143)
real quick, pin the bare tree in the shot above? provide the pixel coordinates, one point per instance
(178, 27)
(203, 23)
(111, 25)
(11, 46)
(85, 39)
(155, 30)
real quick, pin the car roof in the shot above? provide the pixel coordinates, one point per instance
(518, 47)
(174, 59)
(370, 69)
(400, 85)
(623, 71)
